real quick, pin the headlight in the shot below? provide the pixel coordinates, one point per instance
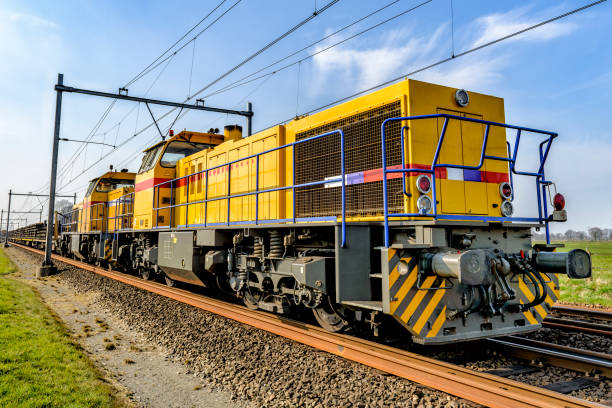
(462, 98)
(424, 204)
(507, 209)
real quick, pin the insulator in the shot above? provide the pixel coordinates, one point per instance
(276, 245)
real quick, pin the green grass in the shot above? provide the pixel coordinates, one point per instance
(39, 364)
(6, 266)
(596, 290)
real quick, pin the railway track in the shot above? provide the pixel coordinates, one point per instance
(583, 311)
(482, 388)
(586, 361)
(589, 320)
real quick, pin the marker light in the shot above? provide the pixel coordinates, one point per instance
(507, 209)
(462, 97)
(559, 201)
(171, 132)
(505, 189)
(423, 184)
(424, 204)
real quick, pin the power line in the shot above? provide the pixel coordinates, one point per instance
(267, 46)
(137, 76)
(230, 86)
(461, 54)
(243, 62)
(238, 83)
(131, 110)
(142, 74)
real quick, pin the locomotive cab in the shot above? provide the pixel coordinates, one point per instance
(153, 189)
(95, 203)
(88, 240)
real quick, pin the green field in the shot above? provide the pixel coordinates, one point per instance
(598, 289)
(39, 364)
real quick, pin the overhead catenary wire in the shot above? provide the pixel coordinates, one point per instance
(284, 67)
(152, 68)
(445, 60)
(138, 76)
(117, 146)
(138, 151)
(130, 111)
(230, 86)
(145, 71)
(267, 46)
(240, 64)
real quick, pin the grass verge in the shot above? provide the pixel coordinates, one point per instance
(596, 290)
(39, 364)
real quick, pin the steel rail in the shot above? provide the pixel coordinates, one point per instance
(578, 326)
(584, 311)
(555, 354)
(482, 388)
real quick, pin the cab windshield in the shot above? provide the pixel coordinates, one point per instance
(90, 188)
(105, 185)
(150, 158)
(179, 149)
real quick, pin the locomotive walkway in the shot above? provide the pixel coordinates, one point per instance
(471, 385)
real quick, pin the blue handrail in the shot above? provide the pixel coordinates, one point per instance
(257, 191)
(540, 179)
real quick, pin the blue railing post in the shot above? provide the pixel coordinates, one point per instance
(384, 180)
(257, 190)
(293, 183)
(206, 199)
(229, 191)
(187, 201)
(433, 168)
(544, 200)
(403, 154)
(343, 187)
(170, 210)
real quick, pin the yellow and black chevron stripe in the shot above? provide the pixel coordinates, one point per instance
(108, 249)
(526, 294)
(421, 311)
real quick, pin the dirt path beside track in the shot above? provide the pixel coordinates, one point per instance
(133, 365)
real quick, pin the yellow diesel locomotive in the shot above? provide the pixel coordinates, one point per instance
(394, 209)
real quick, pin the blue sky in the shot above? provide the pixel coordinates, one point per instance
(558, 77)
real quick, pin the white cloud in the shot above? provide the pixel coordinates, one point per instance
(401, 51)
(474, 74)
(366, 67)
(31, 20)
(498, 25)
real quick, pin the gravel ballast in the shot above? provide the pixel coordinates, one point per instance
(261, 368)
(268, 370)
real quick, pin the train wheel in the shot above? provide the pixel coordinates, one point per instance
(329, 317)
(170, 282)
(145, 273)
(251, 298)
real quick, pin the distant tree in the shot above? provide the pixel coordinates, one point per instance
(570, 235)
(63, 206)
(558, 237)
(595, 233)
(581, 235)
